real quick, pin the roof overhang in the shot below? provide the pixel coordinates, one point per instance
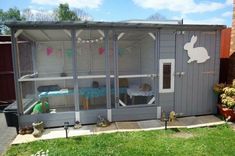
(107, 25)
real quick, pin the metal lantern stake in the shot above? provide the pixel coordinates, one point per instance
(66, 126)
(166, 119)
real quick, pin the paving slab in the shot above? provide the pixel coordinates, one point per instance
(208, 119)
(24, 139)
(176, 124)
(150, 124)
(7, 134)
(54, 133)
(84, 130)
(190, 121)
(186, 122)
(124, 126)
(60, 132)
(110, 129)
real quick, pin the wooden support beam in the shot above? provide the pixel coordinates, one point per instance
(121, 103)
(120, 36)
(101, 33)
(28, 36)
(18, 32)
(152, 35)
(45, 35)
(67, 33)
(8, 42)
(78, 33)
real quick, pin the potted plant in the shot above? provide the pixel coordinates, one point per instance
(227, 102)
(218, 88)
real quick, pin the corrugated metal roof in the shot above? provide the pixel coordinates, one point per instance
(105, 25)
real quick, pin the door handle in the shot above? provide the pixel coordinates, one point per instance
(152, 76)
(179, 74)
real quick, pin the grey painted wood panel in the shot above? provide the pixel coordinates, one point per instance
(200, 91)
(168, 43)
(184, 79)
(194, 94)
(195, 78)
(141, 113)
(178, 56)
(217, 67)
(211, 76)
(90, 116)
(50, 120)
(166, 96)
(167, 51)
(167, 106)
(181, 84)
(166, 101)
(189, 79)
(205, 81)
(167, 56)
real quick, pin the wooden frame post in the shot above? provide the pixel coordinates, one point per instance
(75, 75)
(107, 70)
(115, 60)
(156, 65)
(16, 69)
(33, 48)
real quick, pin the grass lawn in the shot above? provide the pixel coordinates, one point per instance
(218, 140)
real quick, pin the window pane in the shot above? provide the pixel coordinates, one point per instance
(166, 75)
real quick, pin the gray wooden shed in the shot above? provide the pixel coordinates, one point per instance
(122, 71)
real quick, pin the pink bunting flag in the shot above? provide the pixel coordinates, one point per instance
(49, 51)
(101, 51)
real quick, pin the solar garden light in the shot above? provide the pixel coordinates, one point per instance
(166, 119)
(66, 126)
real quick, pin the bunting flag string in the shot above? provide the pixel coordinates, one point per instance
(68, 53)
(121, 51)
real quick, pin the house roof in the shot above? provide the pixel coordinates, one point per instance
(107, 25)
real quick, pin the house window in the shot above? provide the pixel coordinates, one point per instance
(166, 75)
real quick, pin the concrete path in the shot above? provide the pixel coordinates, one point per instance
(7, 134)
(186, 122)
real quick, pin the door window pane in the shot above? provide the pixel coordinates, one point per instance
(166, 75)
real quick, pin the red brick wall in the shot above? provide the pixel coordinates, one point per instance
(225, 43)
(232, 45)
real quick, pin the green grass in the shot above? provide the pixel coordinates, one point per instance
(214, 141)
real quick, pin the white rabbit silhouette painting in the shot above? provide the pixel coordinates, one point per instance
(198, 54)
